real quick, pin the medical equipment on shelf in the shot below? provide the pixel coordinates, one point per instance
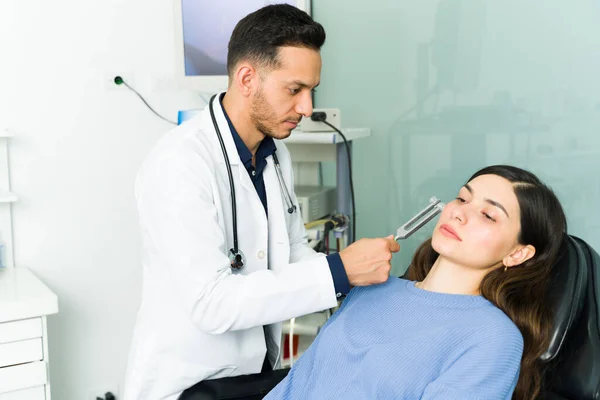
(418, 221)
(236, 257)
(318, 232)
(315, 202)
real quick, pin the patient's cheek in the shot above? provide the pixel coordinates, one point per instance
(489, 241)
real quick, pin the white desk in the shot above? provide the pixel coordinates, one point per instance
(24, 304)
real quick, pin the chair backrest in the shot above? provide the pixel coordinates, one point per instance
(574, 353)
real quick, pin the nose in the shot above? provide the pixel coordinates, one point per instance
(459, 214)
(304, 106)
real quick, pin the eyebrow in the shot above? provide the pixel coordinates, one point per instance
(490, 201)
(303, 84)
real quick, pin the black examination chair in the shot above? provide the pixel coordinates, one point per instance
(243, 387)
(573, 356)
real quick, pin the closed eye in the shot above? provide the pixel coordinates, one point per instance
(489, 217)
(461, 200)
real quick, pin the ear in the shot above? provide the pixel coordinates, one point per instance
(519, 256)
(246, 79)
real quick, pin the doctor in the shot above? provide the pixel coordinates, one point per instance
(225, 254)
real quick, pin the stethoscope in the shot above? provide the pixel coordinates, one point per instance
(236, 257)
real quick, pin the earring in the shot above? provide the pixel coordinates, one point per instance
(505, 268)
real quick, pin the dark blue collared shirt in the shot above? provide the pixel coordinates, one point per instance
(265, 149)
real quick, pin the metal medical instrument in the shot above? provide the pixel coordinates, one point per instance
(418, 221)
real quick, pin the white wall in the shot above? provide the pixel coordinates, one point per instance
(78, 146)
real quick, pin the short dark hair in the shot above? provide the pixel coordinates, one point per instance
(258, 36)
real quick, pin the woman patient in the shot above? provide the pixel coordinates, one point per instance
(470, 323)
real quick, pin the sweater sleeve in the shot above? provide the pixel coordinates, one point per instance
(487, 370)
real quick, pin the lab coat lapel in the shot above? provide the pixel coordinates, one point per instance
(279, 244)
(279, 248)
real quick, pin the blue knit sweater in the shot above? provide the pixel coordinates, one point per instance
(396, 341)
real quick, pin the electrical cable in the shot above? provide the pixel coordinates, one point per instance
(322, 117)
(321, 173)
(120, 81)
(291, 341)
(317, 222)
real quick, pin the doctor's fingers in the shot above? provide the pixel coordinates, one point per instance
(386, 246)
(377, 273)
(394, 246)
(382, 271)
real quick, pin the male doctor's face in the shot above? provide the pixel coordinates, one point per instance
(284, 95)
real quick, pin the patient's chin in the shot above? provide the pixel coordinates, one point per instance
(446, 248)
(438, 243)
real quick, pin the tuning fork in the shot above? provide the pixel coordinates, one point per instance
(418, 221)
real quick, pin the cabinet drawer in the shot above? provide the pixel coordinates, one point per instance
(20, 330)
(23, 376)
(14, 353)
(34, 393)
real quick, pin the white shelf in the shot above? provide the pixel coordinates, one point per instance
(298, 136)
(7, 197)
(23, 295)
(6, 133)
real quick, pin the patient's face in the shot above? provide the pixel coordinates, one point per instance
(481, 226)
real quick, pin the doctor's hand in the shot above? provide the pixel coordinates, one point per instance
(367, 261)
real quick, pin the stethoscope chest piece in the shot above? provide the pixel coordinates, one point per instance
(236, 259)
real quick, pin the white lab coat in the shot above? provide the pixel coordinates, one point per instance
(198, 320)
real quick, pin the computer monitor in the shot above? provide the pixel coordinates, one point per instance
(203, 28)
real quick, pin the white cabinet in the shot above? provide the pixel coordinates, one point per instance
(24, 304)
(33, 393)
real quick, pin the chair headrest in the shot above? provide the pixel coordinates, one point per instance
(593, 260)
(567, 294)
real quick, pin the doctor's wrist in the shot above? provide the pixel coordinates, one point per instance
(341, 283)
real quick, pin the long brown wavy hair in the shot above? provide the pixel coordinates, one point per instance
(520, 291)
